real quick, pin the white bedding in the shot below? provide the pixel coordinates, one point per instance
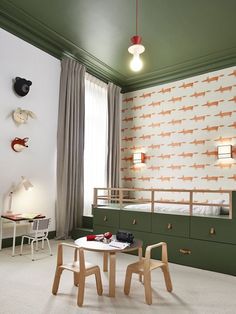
(177, 208)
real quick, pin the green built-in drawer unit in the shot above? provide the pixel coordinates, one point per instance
(106, 217)
(174, 225)
(213, 229)
(201, 242)
(131, 220)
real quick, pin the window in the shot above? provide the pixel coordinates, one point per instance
(95, 153)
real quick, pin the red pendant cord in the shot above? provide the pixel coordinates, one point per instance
(136, 40)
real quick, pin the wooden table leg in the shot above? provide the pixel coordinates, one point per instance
(112, 274)
(76, 277)
(140, 255)
(105, 262)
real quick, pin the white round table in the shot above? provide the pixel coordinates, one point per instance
(98, 246)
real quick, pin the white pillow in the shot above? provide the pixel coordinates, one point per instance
(208, 210)
(218, 201)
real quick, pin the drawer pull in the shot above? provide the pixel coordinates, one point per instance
(105, 218)
(169, 226)
(185, 251)
(212, 230)
(134, 222)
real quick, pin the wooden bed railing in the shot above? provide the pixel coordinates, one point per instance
(121, 196)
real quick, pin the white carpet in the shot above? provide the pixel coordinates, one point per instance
(25, 288)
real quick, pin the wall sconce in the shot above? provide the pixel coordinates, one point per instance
(138, 158)
(27, 186)
(224, 151)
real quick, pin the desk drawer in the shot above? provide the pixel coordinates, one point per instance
(131, 220)
(213, 229)
(175, 225)
(106, 217)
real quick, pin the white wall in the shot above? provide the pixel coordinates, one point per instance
(38, 161)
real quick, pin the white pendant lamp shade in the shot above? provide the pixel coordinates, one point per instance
(136, 63)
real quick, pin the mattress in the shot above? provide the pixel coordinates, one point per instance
(180, 209)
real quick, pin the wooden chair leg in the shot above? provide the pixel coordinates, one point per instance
(128, 278)
(56, 280)
(140, 254)
(98, 281)
(147, 287)
(167, 278)
(80, 298)
(76, 279)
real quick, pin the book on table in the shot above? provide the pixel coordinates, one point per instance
(23, 216)
(119, 245)
(30, 215)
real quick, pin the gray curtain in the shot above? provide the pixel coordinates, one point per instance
(113, 154)
(70, 148)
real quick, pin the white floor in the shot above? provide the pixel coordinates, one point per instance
(25, 288)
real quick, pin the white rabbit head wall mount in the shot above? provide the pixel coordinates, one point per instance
(20, 116)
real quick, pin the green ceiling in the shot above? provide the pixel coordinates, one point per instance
(181, 37)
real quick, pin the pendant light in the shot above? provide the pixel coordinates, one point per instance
(136, 48)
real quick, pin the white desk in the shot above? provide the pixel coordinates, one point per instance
(97, 246)
(15, 220)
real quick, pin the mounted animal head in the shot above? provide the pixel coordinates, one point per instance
(18, 144)
(22, 86)
(21, 116)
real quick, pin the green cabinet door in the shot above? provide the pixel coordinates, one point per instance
(131, 220)
(106, 217)
(174, 225)
(213, 229)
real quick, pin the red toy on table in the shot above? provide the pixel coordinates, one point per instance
(94, 237)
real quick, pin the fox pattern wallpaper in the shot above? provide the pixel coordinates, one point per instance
(179, 126)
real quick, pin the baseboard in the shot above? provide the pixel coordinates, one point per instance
(8, 241)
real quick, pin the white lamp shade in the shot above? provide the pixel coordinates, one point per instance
(27, 186)
(138, 158)
(136, 63)
(224, 151)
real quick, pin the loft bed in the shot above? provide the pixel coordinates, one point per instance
(198, 225)
(208, 203)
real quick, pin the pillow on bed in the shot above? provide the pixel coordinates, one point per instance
(224, 211)
(138, 207)
(218, 201)
(208, 210)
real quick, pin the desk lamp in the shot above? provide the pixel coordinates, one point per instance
(27, 186)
